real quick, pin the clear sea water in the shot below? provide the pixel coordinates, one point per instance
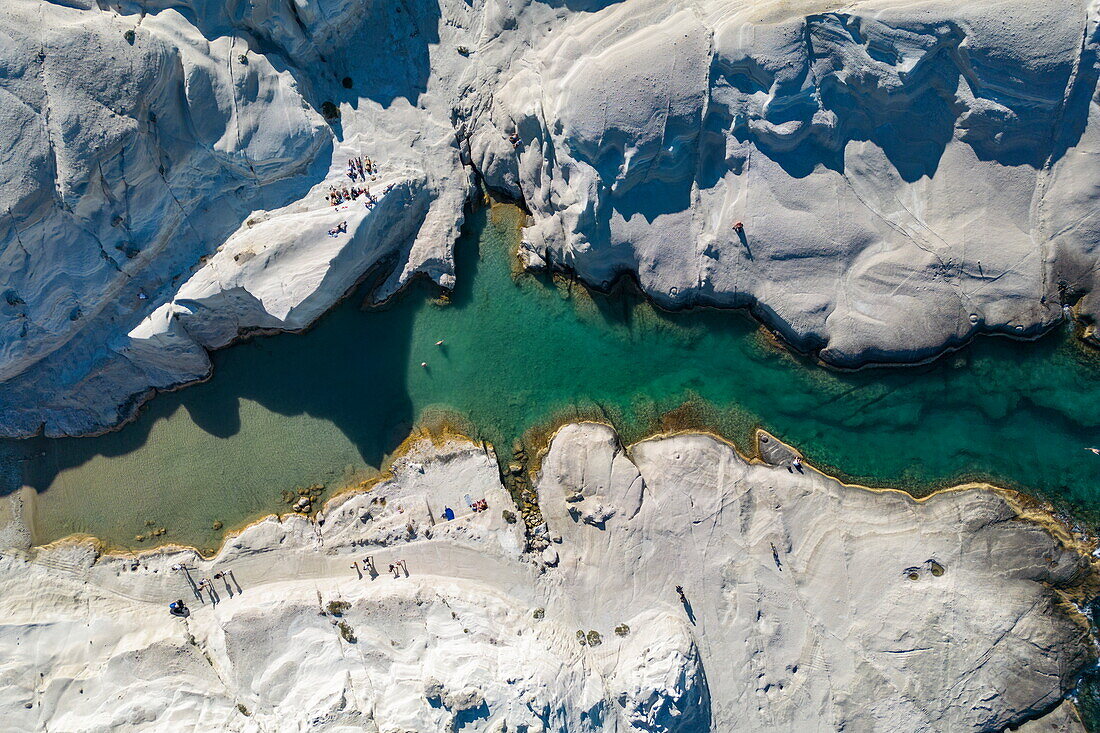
(522, 352)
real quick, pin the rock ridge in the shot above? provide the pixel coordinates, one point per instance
(906, 175)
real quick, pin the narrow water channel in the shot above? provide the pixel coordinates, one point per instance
(330, 405)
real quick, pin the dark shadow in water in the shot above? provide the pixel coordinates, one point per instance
(302, 374)
(618, 304)
(1013, 413)
(220, 419)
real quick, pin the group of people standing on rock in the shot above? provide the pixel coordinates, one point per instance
(358, 170)
(178, 608)
(337, 196)
(477, 506)
(396, 568)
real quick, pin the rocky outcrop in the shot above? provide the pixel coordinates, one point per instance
(164, 170)
(808, 605)
(818, 606)
(905, 174)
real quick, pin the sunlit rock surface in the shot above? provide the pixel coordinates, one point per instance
(808, 605)
(907, 174)
(164, 170)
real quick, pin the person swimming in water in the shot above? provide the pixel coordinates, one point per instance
(1094, 450)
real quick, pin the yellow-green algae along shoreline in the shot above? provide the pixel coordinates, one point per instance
(523, 354)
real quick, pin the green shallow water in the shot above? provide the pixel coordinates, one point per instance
(330, 405)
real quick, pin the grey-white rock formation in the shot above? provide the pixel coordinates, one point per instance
(164, 167)
(809, 606)
(908, 174)
(816, 606)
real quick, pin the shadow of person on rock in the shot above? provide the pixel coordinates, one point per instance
(686, 604)
(741, 237)
(690, 612)
(229, 574)
(225, 579)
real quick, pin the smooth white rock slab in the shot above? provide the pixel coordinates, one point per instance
(800, 611)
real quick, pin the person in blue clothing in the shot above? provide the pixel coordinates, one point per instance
(448, 513)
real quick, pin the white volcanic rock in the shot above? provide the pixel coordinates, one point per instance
(800, 591)
(907, 173)
(801, 614)
(164, 168)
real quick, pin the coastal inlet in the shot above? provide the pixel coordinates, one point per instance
(507, 356)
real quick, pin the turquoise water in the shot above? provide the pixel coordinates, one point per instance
(521, 352)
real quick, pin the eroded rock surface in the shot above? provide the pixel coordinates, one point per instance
(164, 168)
(808, 605)
(906, 174)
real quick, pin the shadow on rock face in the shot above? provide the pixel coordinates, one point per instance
(349, 369)
(383, 49)
(582, 6)
(907, 86)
